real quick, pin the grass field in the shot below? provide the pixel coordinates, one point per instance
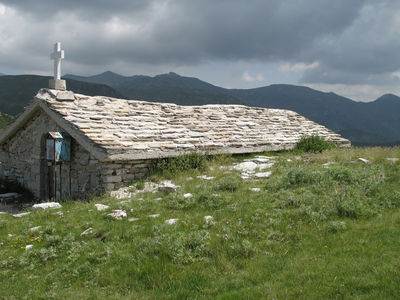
(311, 232)
(4, 120)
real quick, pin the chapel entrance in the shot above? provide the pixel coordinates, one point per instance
(56, 166)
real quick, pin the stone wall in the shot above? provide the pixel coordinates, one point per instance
(22, 159)
(21, 155)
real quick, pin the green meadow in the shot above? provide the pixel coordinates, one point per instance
(311, 230)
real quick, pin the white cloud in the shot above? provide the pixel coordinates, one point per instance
(2, 9)
(298, 67)
(396, 75)
(248, 78)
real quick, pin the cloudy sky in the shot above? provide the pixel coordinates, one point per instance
(351, 47)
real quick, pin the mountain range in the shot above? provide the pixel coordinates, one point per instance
(373, 123)
(165, 87)
(16, 91)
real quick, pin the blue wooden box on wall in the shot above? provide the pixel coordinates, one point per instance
(58, 147)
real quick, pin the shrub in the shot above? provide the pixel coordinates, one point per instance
(336, 226)
(140, 185)
(313, 144)
(184, 248)
(340, 174)
(242, 249)
(208, 199)
(287, 199)
(179, 202)
(228, 183)
(389, 199)
(298, 176)
(180, 163)
(350, 207)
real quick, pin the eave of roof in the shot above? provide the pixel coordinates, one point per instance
(38, 105)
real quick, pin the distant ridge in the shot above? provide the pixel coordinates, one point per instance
(109, 78)
(16, 91)
(169, 87)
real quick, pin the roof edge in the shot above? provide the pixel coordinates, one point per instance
(73, 132)
(19, 121)
(242, 150)
(39, 104)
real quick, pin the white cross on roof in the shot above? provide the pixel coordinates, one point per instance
(57, 56)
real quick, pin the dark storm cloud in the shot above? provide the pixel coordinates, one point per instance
(84, 8)
(366, 52)
(352, 41)
(190, 31)
(259, 29)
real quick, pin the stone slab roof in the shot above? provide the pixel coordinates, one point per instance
(118, 129)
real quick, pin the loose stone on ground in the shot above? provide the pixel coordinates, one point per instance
(101, 207)
(167, 186)
(149, 187)
(87, 231)
(392, 159)
(33, 229)
(262, 175)
(208, 219)
(21, 215)
(249, 167)
(205, 177)
(154, 216)
(366, 161)
(47, 205)
(118, 214)
(171, 221)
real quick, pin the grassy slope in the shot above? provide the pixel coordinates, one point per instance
(4, 120)
(311, 233)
